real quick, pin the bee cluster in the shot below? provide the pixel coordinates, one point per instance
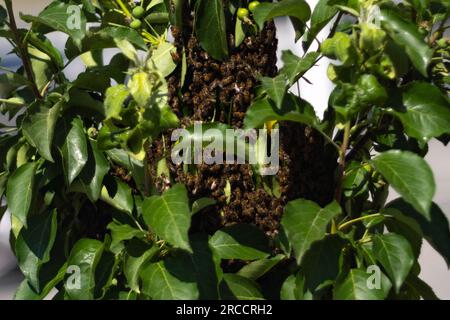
(222, 92)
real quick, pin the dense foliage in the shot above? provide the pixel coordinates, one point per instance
(75, 168)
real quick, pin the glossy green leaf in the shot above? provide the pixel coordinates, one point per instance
(295, 67)
(169, 216)
(421, 288)
(306, 222)
(62, 17)
(241, 288)
(395, 255)
(275, 88)
(84, 257)
(161, 58)
(322, 14)
(39, 127)
(90, 180)
(293, 109)
(33, 246)
(114, 100)
(173, 279)
(74, 150)
(298, 9)
(410, 176)
(258, 268)
(137, 255)
(435, 227)
(120, 233)
(427, 111)
(20, 190)
(354, 287)
(118, 194)
(210, 28)
(241, 241)
(406, 35)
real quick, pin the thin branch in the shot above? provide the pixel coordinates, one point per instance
(22, 49)
(342, 152)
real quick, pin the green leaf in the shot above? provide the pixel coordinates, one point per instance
(172, 279)
(410, 176)
(175, 8)
(117, 194)
(85, 255)
(293, 109)
(427, 112)
(406, 35)
(354, 287)
(275, 88)
(321, 262)
(169, 216)
(162, 60)
(137, 255)
(305, 222)
(20, 190)
(435, 227)
(140, 88)
(421, 288)
(240, 288)
(322, 14)
(114, 100)
(242, 241)
(38, 127)
(33, 246)
(59, 16)
(258, 268)
(74, 150)
(295, 67)
(120, 233)
(395, 255)
(90, 180)
(210, 28)
(293, 8)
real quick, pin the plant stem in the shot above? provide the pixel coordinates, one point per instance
(342, 152)
(22, 49)
(348, 223)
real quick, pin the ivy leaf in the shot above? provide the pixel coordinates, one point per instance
(275, 88)
(306, 222)
(295, 67)
(435, 227)
(258, 268)
(91, 177)
(406, 35)
(117, 194)
(354, 287)
(293, 109)
(172, 279)
(59, 16)
(293, 8)
(242, 241)
(427, 112)
(85, 255)
(169, 216)
(74, 150)
(20, 190)
(38, 127)
(240, 288)
(33, 246)
(322, 14)
(210, 28)
(395, 255)
(410, 176)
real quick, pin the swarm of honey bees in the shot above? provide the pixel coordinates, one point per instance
(222, 91)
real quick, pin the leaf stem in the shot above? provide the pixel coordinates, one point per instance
(22, 49)
(349, 223)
